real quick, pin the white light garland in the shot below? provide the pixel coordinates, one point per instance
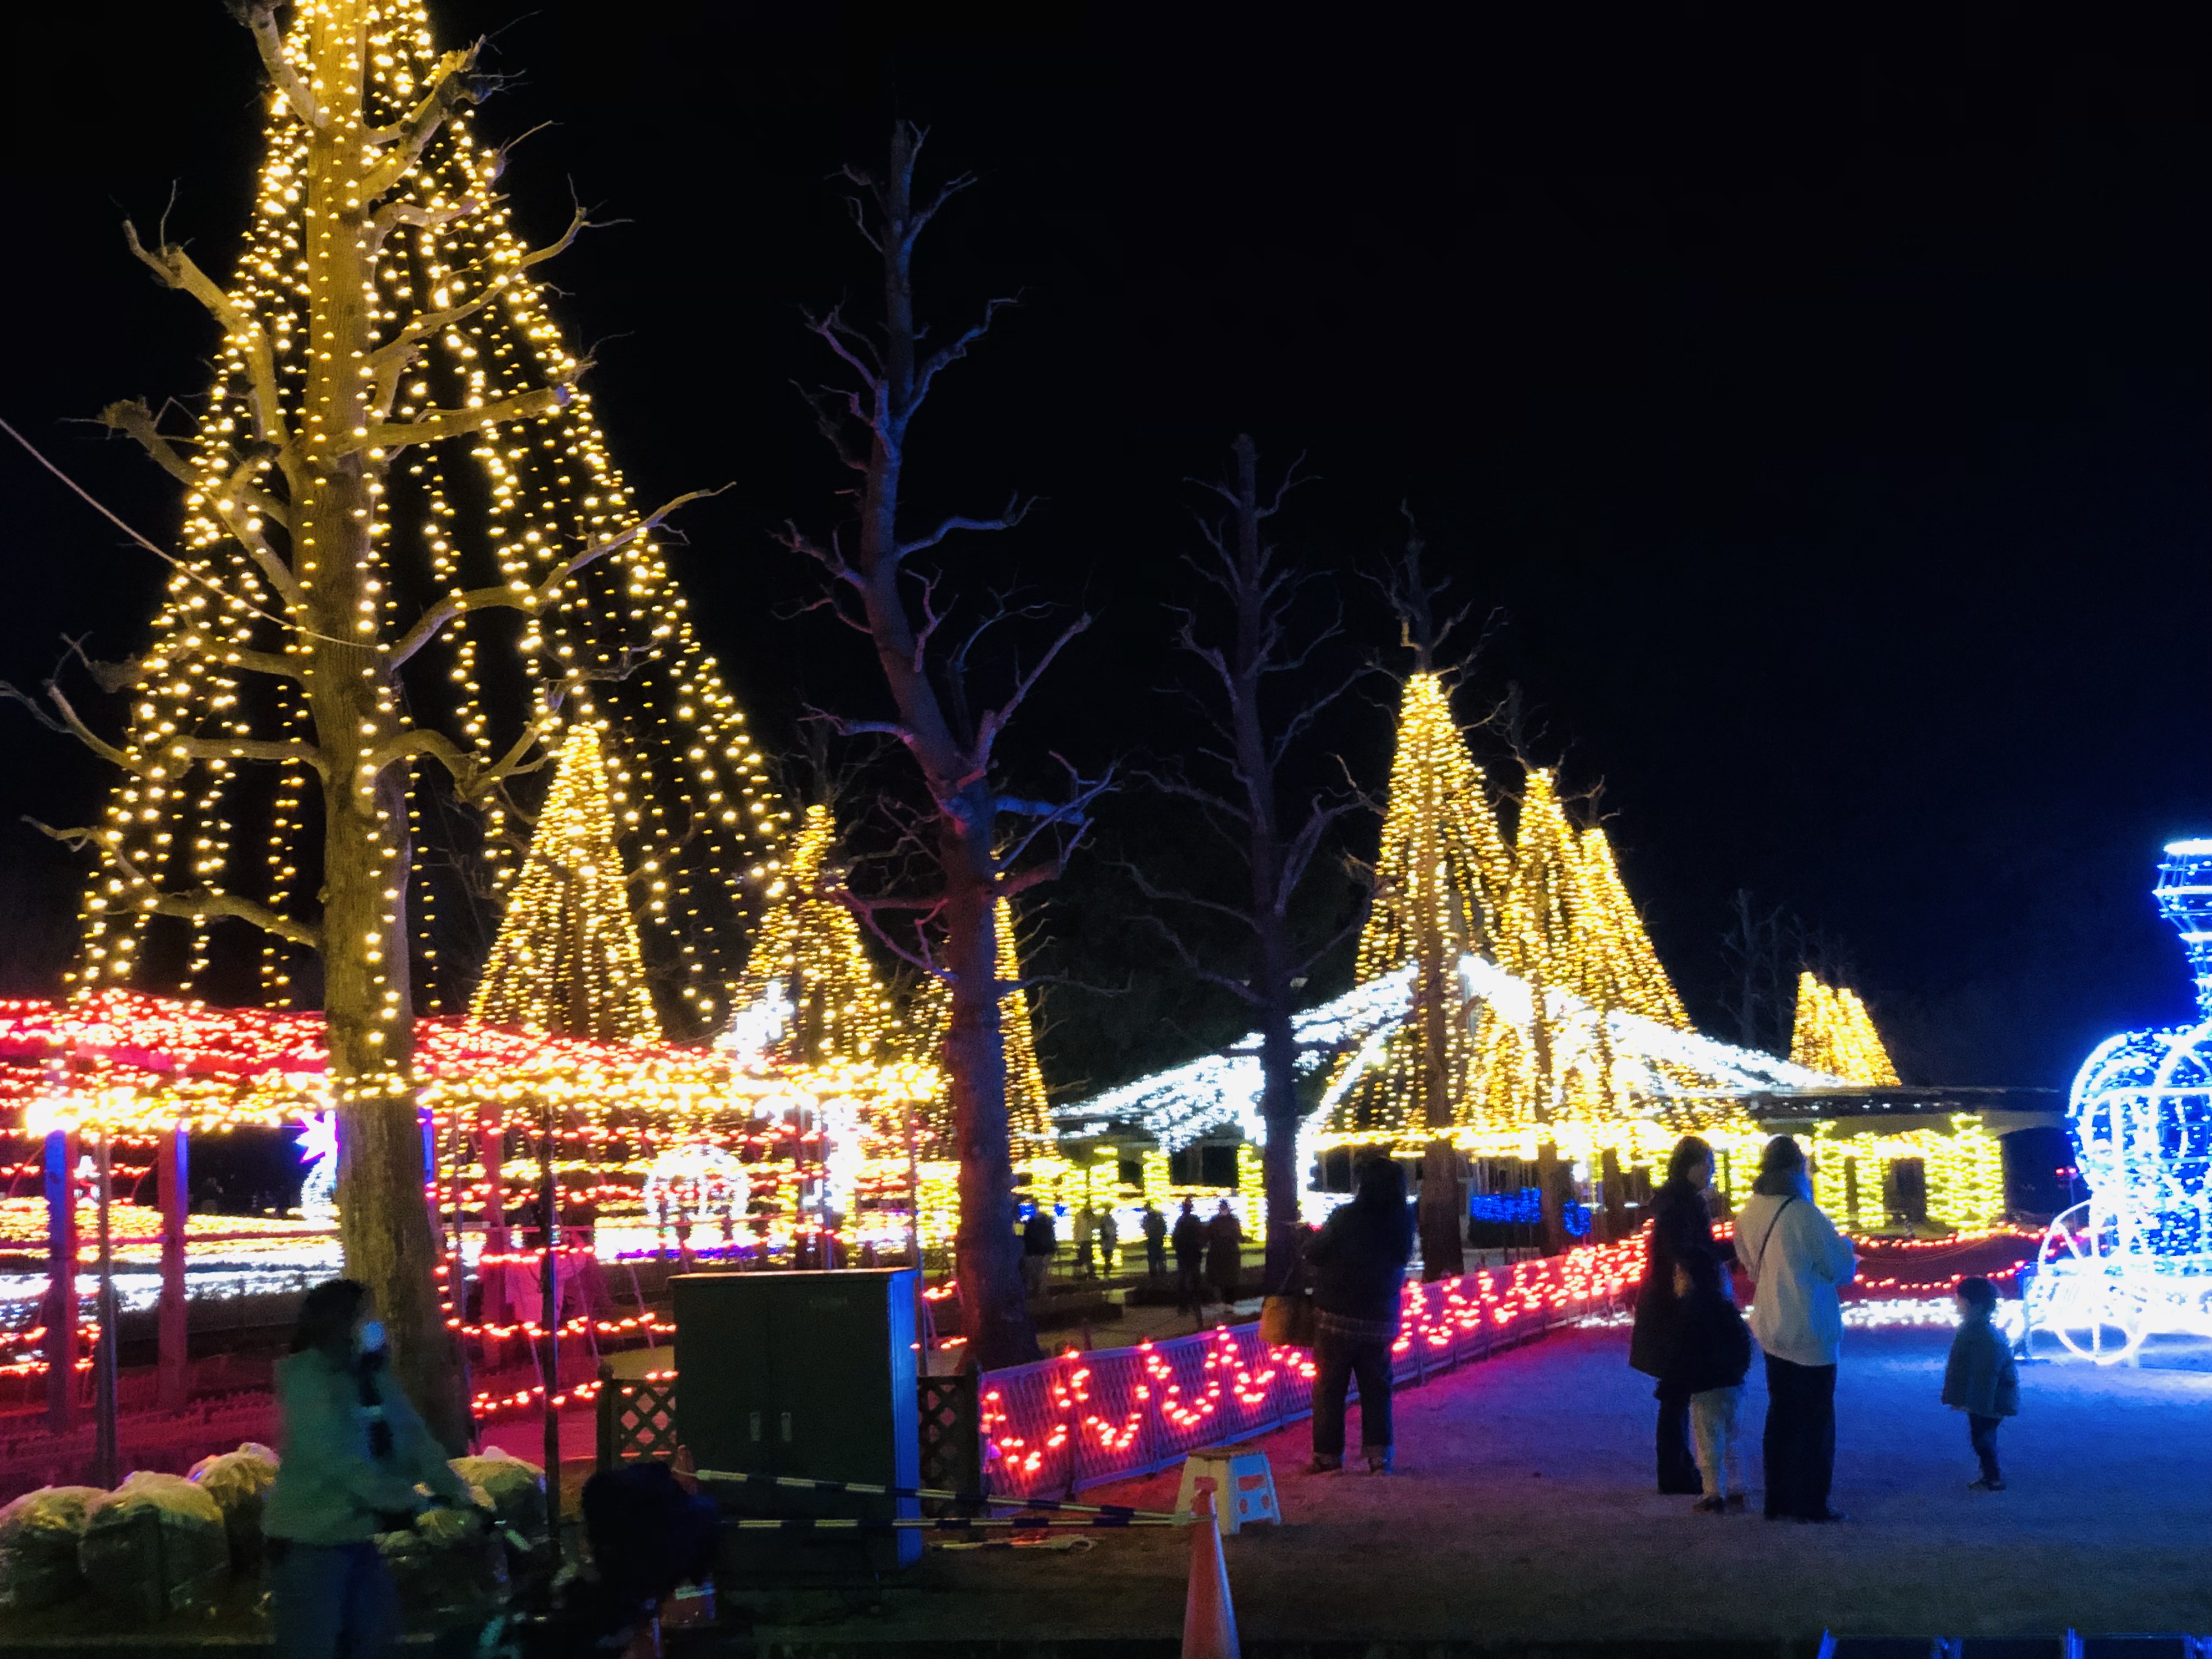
(1220, 1091)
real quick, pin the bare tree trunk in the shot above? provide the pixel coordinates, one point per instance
(987, 1258)
(384, 1222)
(955, 755)
(1251, 740)
(1255, 654)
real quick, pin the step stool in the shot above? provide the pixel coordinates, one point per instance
(1243, 1485)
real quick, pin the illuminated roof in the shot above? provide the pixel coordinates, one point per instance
(143, 1061)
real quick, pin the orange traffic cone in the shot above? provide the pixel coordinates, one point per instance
(1209, 1622)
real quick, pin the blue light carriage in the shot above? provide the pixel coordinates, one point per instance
(2136, 1260)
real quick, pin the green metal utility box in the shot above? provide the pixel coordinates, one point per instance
(804, 1373)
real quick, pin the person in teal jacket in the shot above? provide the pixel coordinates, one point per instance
(1980, 1378)
(354, 1460)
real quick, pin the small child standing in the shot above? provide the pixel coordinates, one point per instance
(1981, 1379)
(1712, 1352)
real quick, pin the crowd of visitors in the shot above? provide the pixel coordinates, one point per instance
(1688, 1334)
(1691, 1339)
(1209, 1252)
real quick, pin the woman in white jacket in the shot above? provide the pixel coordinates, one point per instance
(1797, 1259)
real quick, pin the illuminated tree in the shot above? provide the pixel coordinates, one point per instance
(405, 544)
(1441, 876)
(1250, 730)
(877, 587)
(808, 953)
(1835, 1034)
(567, 960)
(1615, 965)
(1566, 925)
(1028, 1126)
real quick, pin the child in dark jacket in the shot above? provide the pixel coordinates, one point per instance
(1712, 1353)
(1980, 1379)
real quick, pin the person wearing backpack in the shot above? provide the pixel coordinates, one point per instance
(1798, 1261)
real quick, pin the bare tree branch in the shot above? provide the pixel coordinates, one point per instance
(944, 356)
(403, 345)
(994, 721)
(234, 501)
(67, 723)
(1017, 510)
(410, 137)
(176, 269)
(200, 904)
(435, 424)
(288, 751)
(260, 17)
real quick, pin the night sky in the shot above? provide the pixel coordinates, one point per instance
(1819, 415)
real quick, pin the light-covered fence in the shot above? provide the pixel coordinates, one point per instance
(1083, 1419)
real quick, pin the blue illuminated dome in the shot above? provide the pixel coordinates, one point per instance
(2185, 898)
(2140, 1110)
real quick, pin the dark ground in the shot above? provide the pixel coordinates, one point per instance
(1524, 1511)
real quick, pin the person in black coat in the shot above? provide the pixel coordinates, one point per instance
(1189, 1241)
(1712, 1354)
(1357, 1264)
(1682, 1235)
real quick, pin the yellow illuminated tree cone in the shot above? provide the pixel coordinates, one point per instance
(405, 544)
(809, 945)
(396, 459)
(1028, 1129)
(1441, 873)
(567, 960)
(1620, 967)
(1835, 1034)
(1441, 848)
(1568, 926)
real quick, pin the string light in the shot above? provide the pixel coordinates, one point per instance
(1443, 866)
(567, 959)
(1028, 1110)
(1111, 1413)
(2141, 1109)
(1834, 1033)
(808, 962)
(448, 332)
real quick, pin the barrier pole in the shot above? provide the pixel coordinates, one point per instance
(174, 1185)
(550, 1302)
(104, 1448)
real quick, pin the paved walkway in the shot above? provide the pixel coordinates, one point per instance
(1524, 1509)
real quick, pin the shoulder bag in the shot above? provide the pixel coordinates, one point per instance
(1759, 1256)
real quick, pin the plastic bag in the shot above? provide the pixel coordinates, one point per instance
(444, 1572)
(38, 1537)
(155, 1544)
(517, 1489)
(238, 1481)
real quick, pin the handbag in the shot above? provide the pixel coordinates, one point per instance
(1287, 1320)
(1286, 1316)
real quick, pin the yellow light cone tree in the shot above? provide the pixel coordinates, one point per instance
(809, 948)
(347, 611)
(567, 959)
(1442, 871)
(1834, 1033)
(1028, 1129)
